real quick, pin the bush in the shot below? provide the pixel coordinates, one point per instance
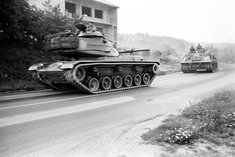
(175, 130)
(212, 114)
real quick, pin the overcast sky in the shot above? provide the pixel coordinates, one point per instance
(192, 20)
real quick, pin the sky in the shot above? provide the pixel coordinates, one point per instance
(191, 20)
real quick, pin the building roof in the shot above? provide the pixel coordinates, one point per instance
(107, 3)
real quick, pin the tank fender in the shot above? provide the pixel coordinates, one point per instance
(67, 65)
(35, 67)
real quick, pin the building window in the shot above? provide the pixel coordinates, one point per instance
(98, 14)
(70, 8)
(86, 10)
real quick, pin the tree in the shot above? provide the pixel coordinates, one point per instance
(25, 25)
(14, 21)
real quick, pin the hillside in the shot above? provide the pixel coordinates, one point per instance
(163, 46)
(154, 43)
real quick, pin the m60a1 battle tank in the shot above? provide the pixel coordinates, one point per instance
(94, 64)
(199, 60)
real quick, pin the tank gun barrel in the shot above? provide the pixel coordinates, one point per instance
(133, 50)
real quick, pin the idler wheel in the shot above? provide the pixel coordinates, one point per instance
(79, 73)
(106, 83)
(127, 80)
(117, 82)
(93, 84)
(146, 78)
(137, 79)
(155, 68)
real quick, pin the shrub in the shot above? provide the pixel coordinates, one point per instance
(175, 130)
(212, 118)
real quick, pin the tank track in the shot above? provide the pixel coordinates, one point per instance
(83, 88)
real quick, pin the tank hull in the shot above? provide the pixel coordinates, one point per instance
(97, 76)
(199, 66)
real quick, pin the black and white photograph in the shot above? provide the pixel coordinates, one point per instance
(117, 78)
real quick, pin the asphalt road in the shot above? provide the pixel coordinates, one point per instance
(55, 123)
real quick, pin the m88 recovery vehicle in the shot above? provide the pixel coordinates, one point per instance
(94, 65)
(199, 60)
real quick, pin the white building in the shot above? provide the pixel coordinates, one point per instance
(102, 13)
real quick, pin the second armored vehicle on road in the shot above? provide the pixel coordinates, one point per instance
(199, 60)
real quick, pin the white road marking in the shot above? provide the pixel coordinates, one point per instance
(28, 95)
(29, 117)
(52, 101)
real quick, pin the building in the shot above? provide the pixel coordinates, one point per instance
(102, 13)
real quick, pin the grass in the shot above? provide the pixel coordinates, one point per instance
(212, 119)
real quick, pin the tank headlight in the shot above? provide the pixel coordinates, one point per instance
(40, 65)
(33, 67)
(67, 66)
(59, 63)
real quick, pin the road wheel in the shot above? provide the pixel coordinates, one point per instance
(127, 80)
(93, 84)
(79, 73)
(117, 82)
(106, 83)
(137, 79)
(146, 78)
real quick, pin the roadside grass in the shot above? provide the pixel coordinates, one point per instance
(211, 119)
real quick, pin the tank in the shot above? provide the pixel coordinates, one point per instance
(93, 64)
(199, 60)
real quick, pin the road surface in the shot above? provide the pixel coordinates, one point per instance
(75, 123)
